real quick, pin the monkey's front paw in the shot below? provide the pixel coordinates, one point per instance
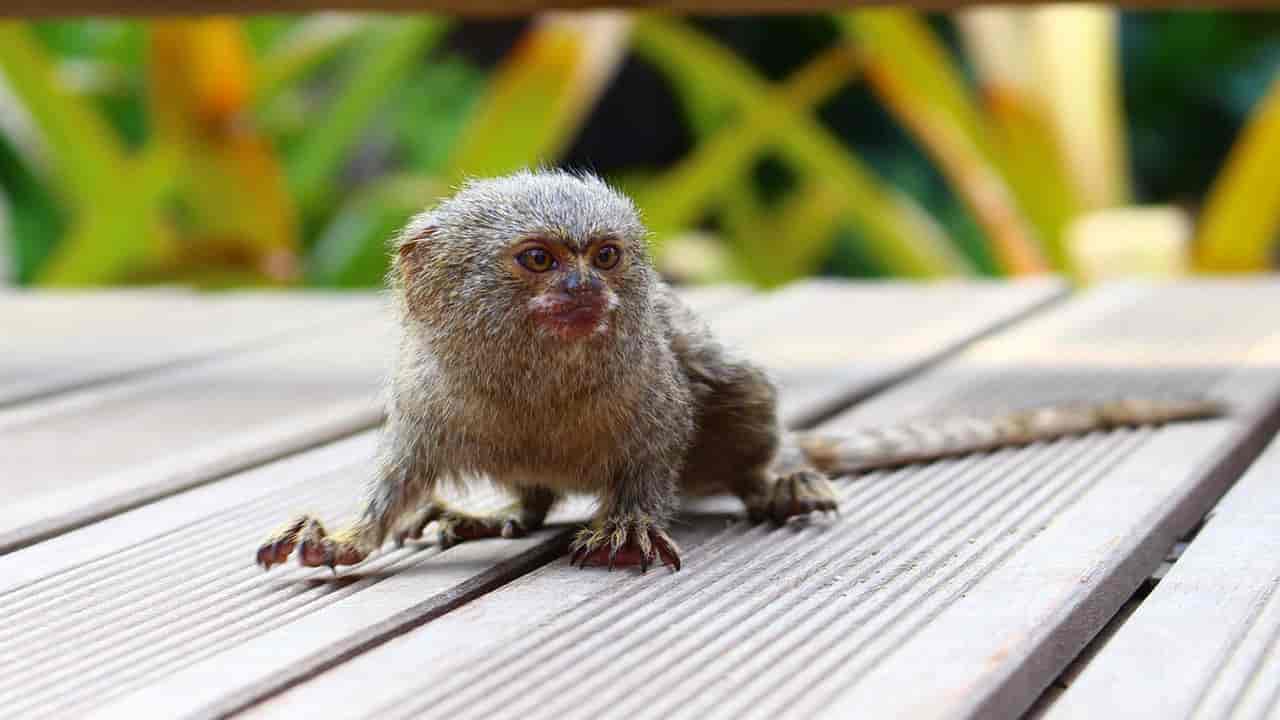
(455, 526)
(315, 547)
(624, 541)
(794, 495)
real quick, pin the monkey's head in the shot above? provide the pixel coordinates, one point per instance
(559, 255)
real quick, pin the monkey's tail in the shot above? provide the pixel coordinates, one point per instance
(918, 442)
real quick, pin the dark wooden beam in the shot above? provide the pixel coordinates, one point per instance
(507, 8)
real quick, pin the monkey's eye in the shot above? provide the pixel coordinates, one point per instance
(607, 256)
(536, 259)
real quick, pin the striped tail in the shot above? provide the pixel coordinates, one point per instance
(918, 442)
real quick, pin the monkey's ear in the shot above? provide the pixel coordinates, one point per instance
(409, 248)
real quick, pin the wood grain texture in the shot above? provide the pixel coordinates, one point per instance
(959, 589)
(84, 455)
(833, 343)
(185, 623)
(501, 8)
(59, 341)
(1206, 642)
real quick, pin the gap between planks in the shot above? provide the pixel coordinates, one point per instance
(1205, 642)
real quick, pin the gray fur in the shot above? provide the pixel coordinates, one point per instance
(633, 415)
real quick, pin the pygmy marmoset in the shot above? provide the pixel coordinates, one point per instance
(540, 348)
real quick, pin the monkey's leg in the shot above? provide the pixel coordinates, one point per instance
(403, 478)
(629, 529)
(778, 498)
(515, 520)
(738, 439)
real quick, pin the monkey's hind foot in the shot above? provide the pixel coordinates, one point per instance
(794, 495)
(456, 526)
(316, 548)
(626, 540)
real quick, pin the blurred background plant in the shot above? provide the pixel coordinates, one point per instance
(287, 150)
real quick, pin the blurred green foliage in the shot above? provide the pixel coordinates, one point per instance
(284, 150)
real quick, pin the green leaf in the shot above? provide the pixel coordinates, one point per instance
(907, 240)
(387, 57)
(352, 250)
(913, 74)
(885, 34)
(36, 219)
(540, 94)
(86, 154)
(305, 45)
(674, 199)
(114, 237)
(432, 111)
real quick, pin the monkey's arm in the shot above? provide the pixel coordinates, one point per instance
(405, 475)
(910, 443)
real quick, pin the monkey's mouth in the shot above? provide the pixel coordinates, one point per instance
(573, 319)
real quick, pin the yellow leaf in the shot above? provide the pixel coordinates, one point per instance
(1076, 70)
(541, 93)
(912, 73)
(1240, 224)
(201, 87)
(998, 41)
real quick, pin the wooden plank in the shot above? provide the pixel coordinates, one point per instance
(86, 455)
(182, 621)
(833, 343)
(494, 8)
(713, 299)
(1204, 642)
(959, 589)
(59, 341)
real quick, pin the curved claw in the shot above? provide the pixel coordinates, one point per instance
(641, 544)
(314, 551)
(795, 495)
(668, 554)
(414, 529)
(277, 549)
(446, 538)
(455, 526)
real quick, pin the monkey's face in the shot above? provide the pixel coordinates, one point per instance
(571, 286)
(557, 255)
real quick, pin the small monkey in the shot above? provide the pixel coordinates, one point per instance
(540, 348)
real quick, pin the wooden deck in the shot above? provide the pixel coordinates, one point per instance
(153, 437)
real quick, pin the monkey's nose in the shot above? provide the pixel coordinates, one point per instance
(578, 282)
